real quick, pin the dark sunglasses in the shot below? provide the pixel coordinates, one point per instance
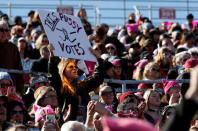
(3, 30)
(72, 67)
(3, 105)
(108, 48)
(154, 69)
(106, 93)
(16, 112)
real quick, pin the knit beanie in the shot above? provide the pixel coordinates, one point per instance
(190, 63)
(141, 64)
(168, 85)
(116, 63)
(122, 97)
(43, 112)
(126, 124)
(5, 75)
(132, 28)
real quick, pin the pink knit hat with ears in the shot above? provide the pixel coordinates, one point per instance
(132, 28)
(42, 112)
(168, 85)
(116, 63)
(126, 124)
(142, 63)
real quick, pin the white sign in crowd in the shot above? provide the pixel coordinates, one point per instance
(67, 35)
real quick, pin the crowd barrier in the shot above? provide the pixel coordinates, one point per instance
(122, 82)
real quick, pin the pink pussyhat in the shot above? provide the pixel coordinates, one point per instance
(116, 63)
(42, 112)
(142, 63)
(168, 85)
(126, 124)
(132, 28)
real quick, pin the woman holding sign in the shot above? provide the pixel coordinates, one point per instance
(70, 90)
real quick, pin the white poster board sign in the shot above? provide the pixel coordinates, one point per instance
(81, 65)
(67, 35)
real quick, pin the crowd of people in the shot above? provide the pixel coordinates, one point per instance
(63, 97)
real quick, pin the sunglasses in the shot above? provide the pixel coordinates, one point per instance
(107, 93)
(3, 105)
(16, 112)
(154, 69)
(108, 48)
(72, 67)
(4, 30)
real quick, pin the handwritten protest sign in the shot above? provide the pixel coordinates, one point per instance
(67, 35)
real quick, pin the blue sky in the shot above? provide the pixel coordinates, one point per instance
(108, 16)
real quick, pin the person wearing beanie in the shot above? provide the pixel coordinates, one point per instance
(126, 124)
(45, 118)
(5, 82)
(128, 108)
(138, 72)
(172, 92)
(132, 31)
(128, 94)
(119, 71)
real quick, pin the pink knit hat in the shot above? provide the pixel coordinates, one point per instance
(168, 85)
(142, 63)
(190, 63)
(116, 63)
(42, 112)
(132, 28)
(90, 66)
(126, 124)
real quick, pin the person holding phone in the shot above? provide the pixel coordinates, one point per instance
(45, 118)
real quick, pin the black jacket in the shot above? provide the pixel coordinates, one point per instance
(82, 88)
(40, 65)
